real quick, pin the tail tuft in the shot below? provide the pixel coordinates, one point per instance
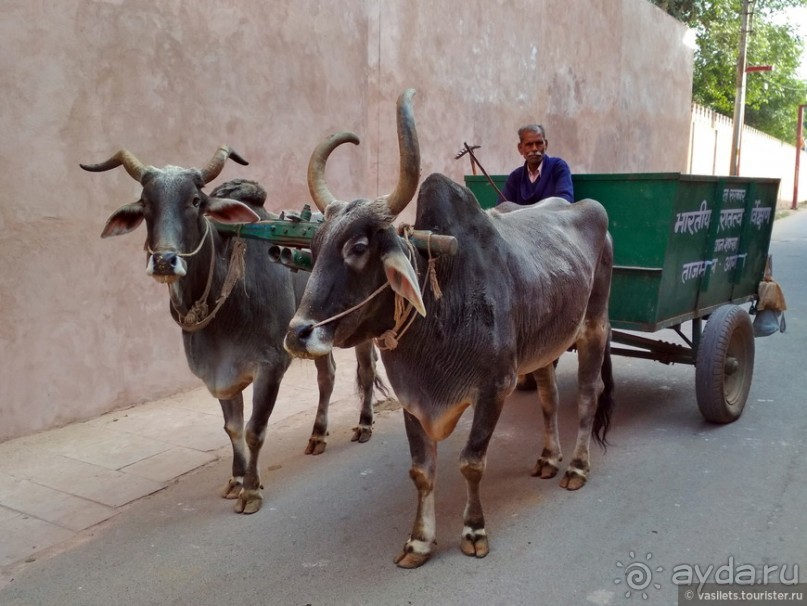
(605, 403)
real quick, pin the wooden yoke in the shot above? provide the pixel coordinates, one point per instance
(291, 233)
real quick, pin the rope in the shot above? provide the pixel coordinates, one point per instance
(431, 271)
(404, 311)
(198, 316)
(197, 249)
(403, 315)
(354, 308)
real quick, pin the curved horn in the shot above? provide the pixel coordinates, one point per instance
(213, 168)
(320, 193)
(409, 150)
(133, 166)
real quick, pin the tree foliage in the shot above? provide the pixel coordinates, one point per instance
(772, 98)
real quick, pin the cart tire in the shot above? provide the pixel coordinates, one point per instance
(725, 364)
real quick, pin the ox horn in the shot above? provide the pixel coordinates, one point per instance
(317, 186)
(133, 166)
(409, 150)
(409, 167)
(213, 168)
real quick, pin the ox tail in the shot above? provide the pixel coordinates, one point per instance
(605, 403)
(382, 387)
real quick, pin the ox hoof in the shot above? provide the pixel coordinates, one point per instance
(545, 469)
(410, 559)
(474, 543)
(414, 554)
(362, 434)
(232, 489)
(573, 479)
(249, 501)
(316, 445)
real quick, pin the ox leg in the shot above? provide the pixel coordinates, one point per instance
(326, 376)
(264, 395)
(233, 410)
(549, 462)
(365, 377)
(418, 547)
(474, 540)
(590, 350)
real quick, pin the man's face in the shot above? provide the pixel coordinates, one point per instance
(533, 146)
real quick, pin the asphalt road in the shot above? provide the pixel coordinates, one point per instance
(672, 493)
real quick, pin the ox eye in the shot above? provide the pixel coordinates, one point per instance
(355, 252)
(196, 201)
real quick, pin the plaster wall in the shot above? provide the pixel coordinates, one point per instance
(761, 155)
(84, 330)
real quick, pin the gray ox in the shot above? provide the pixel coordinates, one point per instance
(232, 303)
(524, 287)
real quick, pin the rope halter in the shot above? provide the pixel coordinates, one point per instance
(403, 314)
(198, 315)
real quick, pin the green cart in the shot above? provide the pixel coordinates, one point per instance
(686, 249)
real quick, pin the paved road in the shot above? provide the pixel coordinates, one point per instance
(672, 492)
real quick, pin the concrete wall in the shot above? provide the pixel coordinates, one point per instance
(84, 330)
(760, 155)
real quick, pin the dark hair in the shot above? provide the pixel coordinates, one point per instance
(531, 128)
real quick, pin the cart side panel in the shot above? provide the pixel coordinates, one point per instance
(483, 190)
(683, 244)
(640, 207)
(736, 249)
(761, 210)
(690, 233)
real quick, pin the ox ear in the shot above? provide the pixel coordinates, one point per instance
(124, 220)
(226, 210)
(403, 279)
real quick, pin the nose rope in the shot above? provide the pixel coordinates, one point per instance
(378, 291)
(403, 309)
(354, 308)
(198, 248)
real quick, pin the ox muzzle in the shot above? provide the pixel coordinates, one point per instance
(166, 267)
(306, 339)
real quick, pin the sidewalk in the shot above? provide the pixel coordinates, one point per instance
(58, 483)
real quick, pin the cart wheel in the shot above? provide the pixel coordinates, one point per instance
(725, 364)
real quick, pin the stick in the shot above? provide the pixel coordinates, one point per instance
(484, 172)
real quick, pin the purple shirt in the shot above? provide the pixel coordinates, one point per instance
(555, 180)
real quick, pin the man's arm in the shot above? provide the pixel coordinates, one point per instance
(563, 181)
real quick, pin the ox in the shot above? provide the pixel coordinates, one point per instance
(232, 303)
(524, 287)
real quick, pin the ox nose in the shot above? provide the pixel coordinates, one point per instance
(303, 331)
(299, 333)
(297, 338)
(166, 264)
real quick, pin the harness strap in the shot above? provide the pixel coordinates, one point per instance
(198, 316)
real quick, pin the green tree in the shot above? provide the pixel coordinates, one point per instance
(772, 98)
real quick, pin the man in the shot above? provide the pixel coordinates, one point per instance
(541, 176)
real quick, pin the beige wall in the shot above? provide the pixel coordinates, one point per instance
(761, 155)
(83, 330)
